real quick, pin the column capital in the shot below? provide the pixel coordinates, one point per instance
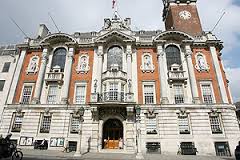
(100, 50)
(70, 52)
(160, 51)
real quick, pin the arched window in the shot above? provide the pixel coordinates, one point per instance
(114, 58)
(173, 56)
(59, 58)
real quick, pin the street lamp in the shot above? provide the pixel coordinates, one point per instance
(78, 151)
(138, 119)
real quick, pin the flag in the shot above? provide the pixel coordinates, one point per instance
(113, 4)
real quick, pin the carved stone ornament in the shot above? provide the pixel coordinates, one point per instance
(151, 113)
(201, 63)
(116, 111)
(83, 64)
(147, 63)
(33, 65)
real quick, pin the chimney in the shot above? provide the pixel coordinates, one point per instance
(42, 31)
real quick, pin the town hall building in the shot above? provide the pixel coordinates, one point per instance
(120, 90)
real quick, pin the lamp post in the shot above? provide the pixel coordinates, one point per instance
(78, 151)
(138, 119)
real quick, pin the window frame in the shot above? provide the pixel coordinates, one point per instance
(144, 83)
(211, 87)
(6, 70)
(16, 114)
(171, 53)
(72, 131)
(187, 116)
(57, 95)
(53, 56)
(21, 97)
(75, 91)
(219, 118)
(174, 92)
(42, 129)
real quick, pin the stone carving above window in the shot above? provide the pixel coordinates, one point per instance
(201, 63)
(83, 64)
(33, 65)
(147, 63)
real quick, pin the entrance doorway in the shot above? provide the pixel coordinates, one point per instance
(112, 134)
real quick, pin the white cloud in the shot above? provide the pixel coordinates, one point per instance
(233, 75)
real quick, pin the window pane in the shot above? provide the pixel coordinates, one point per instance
(75, 124)
(178, 94)
(207, 94)
(151, 125)
(173, 56)
(215, 124)
(6, 66)
(183, 124)
(45, 126)
(17, 125)
(59, 58)
(52, 94)
(80, 94)
(148, 94)
(2, 82)
(114, 57)
(26, 95)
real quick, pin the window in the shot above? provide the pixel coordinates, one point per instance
(173, 56)
(207, 93)
(17, 123)
(148, 94)
(215, 123)
(26, 94)
(52, 94)
(178, 94)
(113, 92)
(188, 148)
(45, 125)
(153, 147)
(75, 123)
(2, 82)
(114, 58)
(80, 94)
(59, 58)
(151, 125)
(183, 124)
(6, 66)
(222, 149)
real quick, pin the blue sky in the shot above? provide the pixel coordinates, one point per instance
(81, 15)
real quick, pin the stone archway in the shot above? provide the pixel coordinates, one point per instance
(112, 134)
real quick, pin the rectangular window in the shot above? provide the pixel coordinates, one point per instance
(17, 123)
(2, 82)
(6, 66)
(148, 94)
(215, 124)
(52, 94)
(113, 92)
(26, 94)
(222, 149)
(75, 122)
(178, 94)
(151, 125)
(80, 94)
(183, 124)
(207, 93)
(46, 123)
(153, 147)
(188, 148)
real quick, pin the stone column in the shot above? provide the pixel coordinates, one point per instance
(67, 76)
(219, 74)
(16, 75)
(193, 83)
(99, 71)
(40, 79)
(129, 94)
(162, 75)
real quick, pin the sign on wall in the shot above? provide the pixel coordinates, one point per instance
(26, 141)
(56, 142)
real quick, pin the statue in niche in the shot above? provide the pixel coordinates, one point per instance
(83, 64)
(33, 65)
(201, 63)
(147, 62)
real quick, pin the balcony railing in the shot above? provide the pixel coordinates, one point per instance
(177, 76)
(114, 75)
(54, 77)
(113, 96)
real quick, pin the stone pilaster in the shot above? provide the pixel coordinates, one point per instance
(193, 83)
(40, 79)
(219, 74)
(67, 76)
(162, 75)
(99, 71)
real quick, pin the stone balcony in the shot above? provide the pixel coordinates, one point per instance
(54, 77)
(177, 76)
(114, 75)
(112, 97)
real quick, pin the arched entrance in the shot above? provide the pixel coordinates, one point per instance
(112, 134)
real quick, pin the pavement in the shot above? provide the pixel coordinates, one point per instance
(58, 155)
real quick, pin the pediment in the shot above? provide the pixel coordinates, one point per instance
(115, 34)
(173, 35)
(58, 38)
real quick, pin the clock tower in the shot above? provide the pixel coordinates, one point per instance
(182, 15)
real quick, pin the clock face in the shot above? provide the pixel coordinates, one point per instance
(185, 15)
